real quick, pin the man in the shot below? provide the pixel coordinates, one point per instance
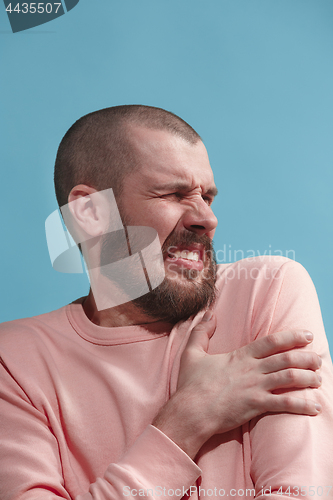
(155, 396)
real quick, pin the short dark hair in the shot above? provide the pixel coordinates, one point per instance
(97, 151)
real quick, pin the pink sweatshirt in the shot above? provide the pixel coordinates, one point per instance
(77, 401)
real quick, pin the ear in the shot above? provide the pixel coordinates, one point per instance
(88, 209)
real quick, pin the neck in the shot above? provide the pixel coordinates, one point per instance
(123, 315)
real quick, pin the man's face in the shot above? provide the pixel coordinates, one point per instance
(172, 192)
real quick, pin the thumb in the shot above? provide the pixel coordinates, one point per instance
(200, 335)
(197, 346)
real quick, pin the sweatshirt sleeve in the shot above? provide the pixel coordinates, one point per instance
(31, 468)
(292, 454)
(153, 466)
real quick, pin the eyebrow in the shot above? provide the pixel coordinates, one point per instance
(182, 186)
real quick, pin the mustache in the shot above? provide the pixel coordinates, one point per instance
(186, 237)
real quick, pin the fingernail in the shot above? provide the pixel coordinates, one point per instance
(207, 316)
(318, 407)
(319, 378)
(309, 336)
(320, 361)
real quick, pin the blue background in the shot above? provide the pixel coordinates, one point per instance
(254, 77)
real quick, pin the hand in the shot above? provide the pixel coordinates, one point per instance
(217, 393)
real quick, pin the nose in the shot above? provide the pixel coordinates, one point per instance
(200, 219)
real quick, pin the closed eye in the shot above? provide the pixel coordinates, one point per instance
(179, 196)
(208, 200)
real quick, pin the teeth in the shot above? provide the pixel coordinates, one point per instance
(185, 254)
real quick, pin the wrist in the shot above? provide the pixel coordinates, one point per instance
(182, 424)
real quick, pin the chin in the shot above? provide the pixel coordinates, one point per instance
(180, 295)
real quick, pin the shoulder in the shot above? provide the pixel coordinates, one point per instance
(261, 272)
(257, 296)
(255, 265)
(264, 281)
(25, 336)
(32, 351)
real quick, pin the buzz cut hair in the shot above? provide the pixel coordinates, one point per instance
(97, 150)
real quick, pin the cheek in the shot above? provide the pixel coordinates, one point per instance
(163, 224)
(163, 218)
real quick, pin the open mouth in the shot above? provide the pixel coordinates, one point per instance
(189, 257)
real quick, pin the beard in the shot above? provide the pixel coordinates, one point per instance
(183, 292)
(186, 291)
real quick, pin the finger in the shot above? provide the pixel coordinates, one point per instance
(279, 403)
(200, 335)
(292, 378)
(291, 359)
(278, 342)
